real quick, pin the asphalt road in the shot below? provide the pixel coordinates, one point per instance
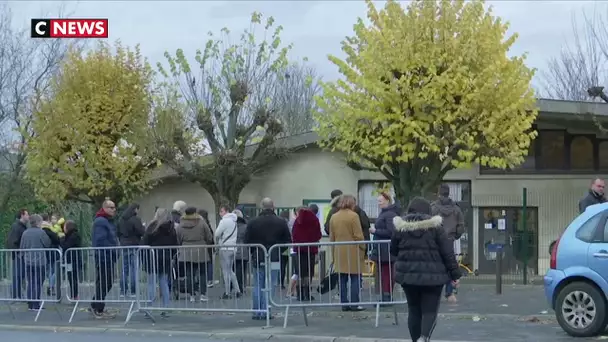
(28, 336)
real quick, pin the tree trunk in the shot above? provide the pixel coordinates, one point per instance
(407, 187)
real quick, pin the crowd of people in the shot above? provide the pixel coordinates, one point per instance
(37, 233)
(420, 256)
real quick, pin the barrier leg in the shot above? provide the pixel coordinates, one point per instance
(286, 317)
(74, 311)
(39, 311)
(304, 313)
(268, 320)
(130, 313)
(377, 315)
(395, 315)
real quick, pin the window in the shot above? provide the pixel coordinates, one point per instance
(603, 155)
(368, 195)
(552, 149)
(587, 231)
(581, 153)
(530, 160)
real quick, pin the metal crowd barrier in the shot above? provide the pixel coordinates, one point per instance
(94, 276)
(344, 284)
(175, 280)
(165, 279)
(27, 272)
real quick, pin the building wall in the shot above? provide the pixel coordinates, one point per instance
(312, 173)
(308, 174)
(556, 198)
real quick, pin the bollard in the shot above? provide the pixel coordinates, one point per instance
(499, 271)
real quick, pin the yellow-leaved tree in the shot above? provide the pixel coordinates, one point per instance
(89, 138)
(425, 90)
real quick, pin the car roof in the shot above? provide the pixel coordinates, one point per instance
(594, 209)
(589, 212)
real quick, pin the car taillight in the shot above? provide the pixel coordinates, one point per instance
(553, 260)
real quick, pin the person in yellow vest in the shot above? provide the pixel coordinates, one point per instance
(51, 257)
(57, 225)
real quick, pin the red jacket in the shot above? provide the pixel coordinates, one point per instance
(306, 229)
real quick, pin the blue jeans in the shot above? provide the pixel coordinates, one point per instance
(449, 289)
(52, 276)
(355, 287)
(259, 284)
(35, 277)
(210, 269)
(18, 273)
(128, 272)
(163, 282)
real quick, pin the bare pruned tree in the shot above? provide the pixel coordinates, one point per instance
(582, 62)
(26, 69)
(236, 102)
(295, 96)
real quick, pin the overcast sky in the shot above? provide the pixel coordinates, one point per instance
(315, 27)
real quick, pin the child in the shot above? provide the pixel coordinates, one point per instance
(73, 258)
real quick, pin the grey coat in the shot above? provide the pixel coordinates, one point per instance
(242, 253)
(34, 238)
(453, 219)
(194, 231)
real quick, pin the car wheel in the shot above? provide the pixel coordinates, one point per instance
(580, 310)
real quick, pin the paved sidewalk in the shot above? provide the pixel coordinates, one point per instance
(473, 299)
(451, 327)
(519, 314)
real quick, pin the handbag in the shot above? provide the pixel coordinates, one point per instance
(229, 236)
(329, 282)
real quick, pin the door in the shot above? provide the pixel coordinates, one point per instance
(595, 231)
(494, 231)
(504, 226)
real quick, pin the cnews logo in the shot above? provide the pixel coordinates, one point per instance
(69, 28)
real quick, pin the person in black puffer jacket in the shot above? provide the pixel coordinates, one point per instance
(130, 232)
(383, 230)
(425, 262)
(157, 262)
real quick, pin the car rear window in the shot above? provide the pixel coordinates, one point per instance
(586, 232)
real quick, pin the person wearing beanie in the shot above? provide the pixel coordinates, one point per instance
(453, 224)
(425, 261)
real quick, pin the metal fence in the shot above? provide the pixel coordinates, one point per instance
(28, 270)
(96, 276)
(351, 282)
(155, 281)
(175, 280)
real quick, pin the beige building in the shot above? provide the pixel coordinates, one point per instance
(569, 151)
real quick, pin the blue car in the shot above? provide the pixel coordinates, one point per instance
(576, 284)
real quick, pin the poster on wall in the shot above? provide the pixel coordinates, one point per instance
(324, 208)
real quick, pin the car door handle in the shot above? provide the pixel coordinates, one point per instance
(601, 254)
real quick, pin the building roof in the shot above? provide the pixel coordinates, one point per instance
(570, 108)
(547, 108)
